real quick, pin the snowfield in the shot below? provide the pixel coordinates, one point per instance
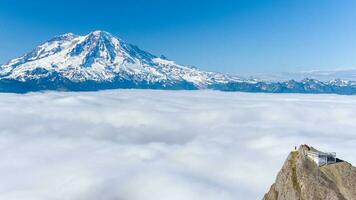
(159, 145)
(99, 61)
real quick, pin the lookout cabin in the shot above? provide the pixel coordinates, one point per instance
(321, 158)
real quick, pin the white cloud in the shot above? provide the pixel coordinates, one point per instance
(143, 144)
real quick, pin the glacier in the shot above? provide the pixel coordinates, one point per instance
(100, 61)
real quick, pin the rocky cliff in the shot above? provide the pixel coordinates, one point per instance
(302, 179)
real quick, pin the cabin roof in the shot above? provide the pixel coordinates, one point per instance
(314, 152)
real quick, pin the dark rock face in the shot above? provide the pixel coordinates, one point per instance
(99, 61)
(63, 84)
(301, 179)
(307, 86)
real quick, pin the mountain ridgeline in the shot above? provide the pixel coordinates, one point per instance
(100, 60)
(301, 178)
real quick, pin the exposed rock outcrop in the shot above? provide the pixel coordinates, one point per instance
(302, 179)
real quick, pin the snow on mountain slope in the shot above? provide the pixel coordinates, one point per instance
(101, 57)
(321, 75)
(100, 60)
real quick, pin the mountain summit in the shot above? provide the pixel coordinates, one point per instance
(100, 60)
(309, 174)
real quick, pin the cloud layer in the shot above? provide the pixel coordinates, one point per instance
(143, 144)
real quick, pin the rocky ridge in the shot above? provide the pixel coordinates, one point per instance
(302, 179)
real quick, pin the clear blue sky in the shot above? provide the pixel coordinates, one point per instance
(237, 36)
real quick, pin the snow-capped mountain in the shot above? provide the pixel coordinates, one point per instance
(321, 75)
(327, 75)
(100, 60)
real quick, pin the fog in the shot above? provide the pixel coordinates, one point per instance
(159, 145)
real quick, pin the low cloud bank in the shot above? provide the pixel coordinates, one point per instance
(143, 145)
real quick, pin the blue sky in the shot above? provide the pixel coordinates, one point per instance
(240, 36)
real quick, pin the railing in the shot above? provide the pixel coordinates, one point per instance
(314, 153)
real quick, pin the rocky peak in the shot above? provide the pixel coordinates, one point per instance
(302, 179)
(63, 37)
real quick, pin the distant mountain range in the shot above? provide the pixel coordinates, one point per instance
(100, 60)
(321, 75)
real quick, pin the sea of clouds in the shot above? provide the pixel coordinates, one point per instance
(159, 145)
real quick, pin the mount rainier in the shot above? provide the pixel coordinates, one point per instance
(100, 60)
